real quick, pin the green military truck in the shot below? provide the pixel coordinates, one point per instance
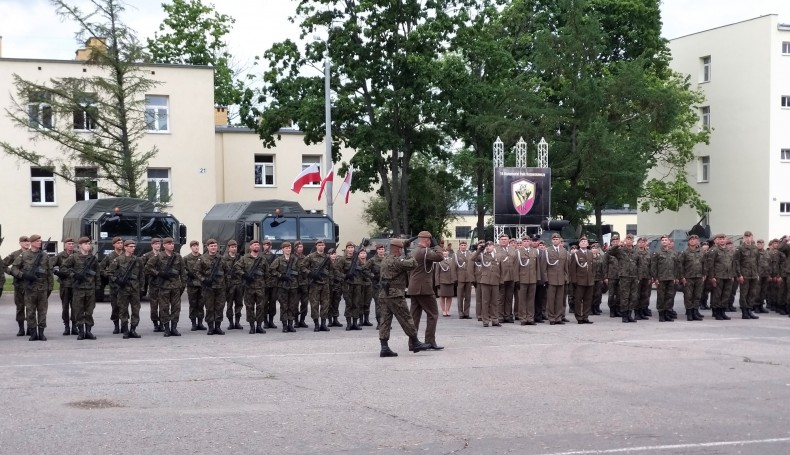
(275, 220)
(128, 218)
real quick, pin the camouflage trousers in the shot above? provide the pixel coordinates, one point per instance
(169, 305)
(335, 295)
(665, 295)
(692, 293)
(597, 298)
(270, 296)
(67, 311)
(614, 294)
(235, 301)
(289, 303)
(395, 306)
(304, 299)
(627, 288)
(153, 300)
(254, 304)
(213, 299)
(36, 308)
(367, 297)
(319, 301)
(129, 298)
(195, 299)
(19, 301)
(720, 293)
(643, 294)
(352, 294)
(750, 290)
(113, 302)
(83, 304)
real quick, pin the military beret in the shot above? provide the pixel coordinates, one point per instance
(194, 243)
(760, 241)
(34, 237)
(378, 245)
(462, 242)
(555, 236)
(297, 243)
(693, 236)
(331, 251)
(286, 245)
(584, 237)
(156, 240)
(211, 241)
(253, 241)
(84, 240)
(535, 237)
(747, 234)
(129, 242)
(615, 236)
(719, 236)
(68, 239)
(319, 242)
(233, 243)
(348, 244)
(267, 242)
(116, 239)
(424, 235)
(24, 238)
(167, 240)
(396, 242)
(593, 244)
(629, 236)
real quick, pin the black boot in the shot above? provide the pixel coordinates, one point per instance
(386, 351)
(258, 328)
(323, 327)
(236, 324)
(285, 326)
(354, 325)
(253, 326)
(41, 336)
(194, 324)
(291, 326)
(624, 316)
(271, 322)
(639, 315)
(210, 328)
(88, 334)
(301, 324)
(761, 308)
(133, 332)
(697, 315)
(33, 334)
(348, 324)
(630, 316)
(174, 329)
(125, 330)
(74, 328)
(117, 328)
(158, 327)
(315, 323)
(66, 330)
(366, 322)
(731, 308)
(723, 314)
(335, 322)
(744, 313)
(166, 329)
(200, 325)
(662, 317)
(716, 314)
(752, 315)
(648, 313)
(81, 333)
(218, 328)
(415, 345)
(673, 314)
(21, 331)
(231, 325)
(690, 315)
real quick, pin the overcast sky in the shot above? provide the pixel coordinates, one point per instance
(30, 28)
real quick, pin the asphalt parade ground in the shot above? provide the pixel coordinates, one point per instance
(711, 387)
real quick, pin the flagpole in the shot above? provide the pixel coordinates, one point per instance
(328, 138)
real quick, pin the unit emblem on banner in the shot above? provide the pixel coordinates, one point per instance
(523, 193)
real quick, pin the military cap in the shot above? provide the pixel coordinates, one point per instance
(84, 240)
(331, 251)
(462, 242)
(629, 236)
(194, 243)
(641, 239)
(535, 237)
(747, 234)
(593, 244)
(555, 236)
(760, 241)
(719, 236)
(615, 236)
(156, 240)
(129, 242)
(253, 241)
(167, 240)
(24, 238)
(211, 241)
(693, 236)
(68, 239)
(267, 242)
(297, 243)
(584, 237)
(34, 237)
(396, 242)
(116, 239)
(348, 244)
(286, 244)
(424, 235)
(378, 245)
(319, 242)
(541, 242)
(233, 243)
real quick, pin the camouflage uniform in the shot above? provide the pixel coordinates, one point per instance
(747, 263)
(719, 266)
(628, 265)
(252, 272)
(665, 270)
(83, 271)
(103, 267)
(127, 274)
(764, 266)
(335, 295)
(212, 272)
(352, 288)
(691, 270)
(644, 286)
(318, 272)
(304, 291)
(66, 292)
(612, 268)
(366, 275)
(235, 293)
(270, 294)
(784, 272)
(375, 270)
(19, 289)
(600, 274)
(776, 260)
(286, 271)
(392, 295)
(172, 275)
(152, 290)
(37, 282)
(194, 289)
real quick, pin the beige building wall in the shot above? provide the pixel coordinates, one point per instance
(186, 149)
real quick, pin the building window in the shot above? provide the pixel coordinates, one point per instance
(463, 232)
(264, 170)
(705, 69)
(785, 155)
(630, 229)
(308, 160)
(39, 111)
(42, 186)
(157, 113)
(705, 114)
(785, 100)
(87, 183)
(85, 116)
(703, 169)
(786, 47)
(159, 185)
(784, 208)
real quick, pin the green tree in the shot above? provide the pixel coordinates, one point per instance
(95, 121)
(194, 34)
(385, 60)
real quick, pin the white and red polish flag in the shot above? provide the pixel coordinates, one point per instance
(345, 187)
(330, 177)
(310, 174)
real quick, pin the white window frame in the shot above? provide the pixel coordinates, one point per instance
(784, 155)
(36, 109)
(703, 169)
(89, 183)
(41, 183)
(155, 113)
(784, 208)
(785, 47)
(785, 101)
(157, 182)
(705, 75)
(705, 116)
(88, 120)
(263, 166)
(307, 160)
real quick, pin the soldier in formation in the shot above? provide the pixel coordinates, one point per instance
(212, 272)
(691, 264)
(34, 272)
(170, 272)
(65, 291)
(117, 245)
(235, 292)
(253, 270)
(194, 286)
(83, 270)
(19, 287)
(464, 272)
(319, 274)
(126, 271)
(581, 271)
(152, 284)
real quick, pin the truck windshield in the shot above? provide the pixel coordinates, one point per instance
(316, 228)
(273, 228)
(146, 226)
(157, 226)
(118, 225)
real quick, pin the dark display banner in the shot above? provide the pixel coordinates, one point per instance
(522, 195)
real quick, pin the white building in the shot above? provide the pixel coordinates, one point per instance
(744, 173)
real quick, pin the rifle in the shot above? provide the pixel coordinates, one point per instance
(354, 267)
(34, 272)
(168, 271)
(249, 277)
(127, 274)
(87, 270)
(212, 277)
(290, 273)
(321, 271)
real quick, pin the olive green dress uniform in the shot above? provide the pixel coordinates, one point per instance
(691, 270)
(286, 270)
(747, 266)
(444, 277)
(665, 270)
(213, 274)
(197, 311)
(555, 270)
(83, 269)
(528, 275)
(507, 275)
(628, 265)
(235, 292)
(318, 268)
(19, 291)
(581, 272)
(253, 270)
(464, 270)
(127, 273)
(34, 273)
(66, 292)
(421, 291)
(488, 286)
(103, 270)
(172, 274)
(645, 286)
(477, 271)
(719, 266)
(152, 285)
